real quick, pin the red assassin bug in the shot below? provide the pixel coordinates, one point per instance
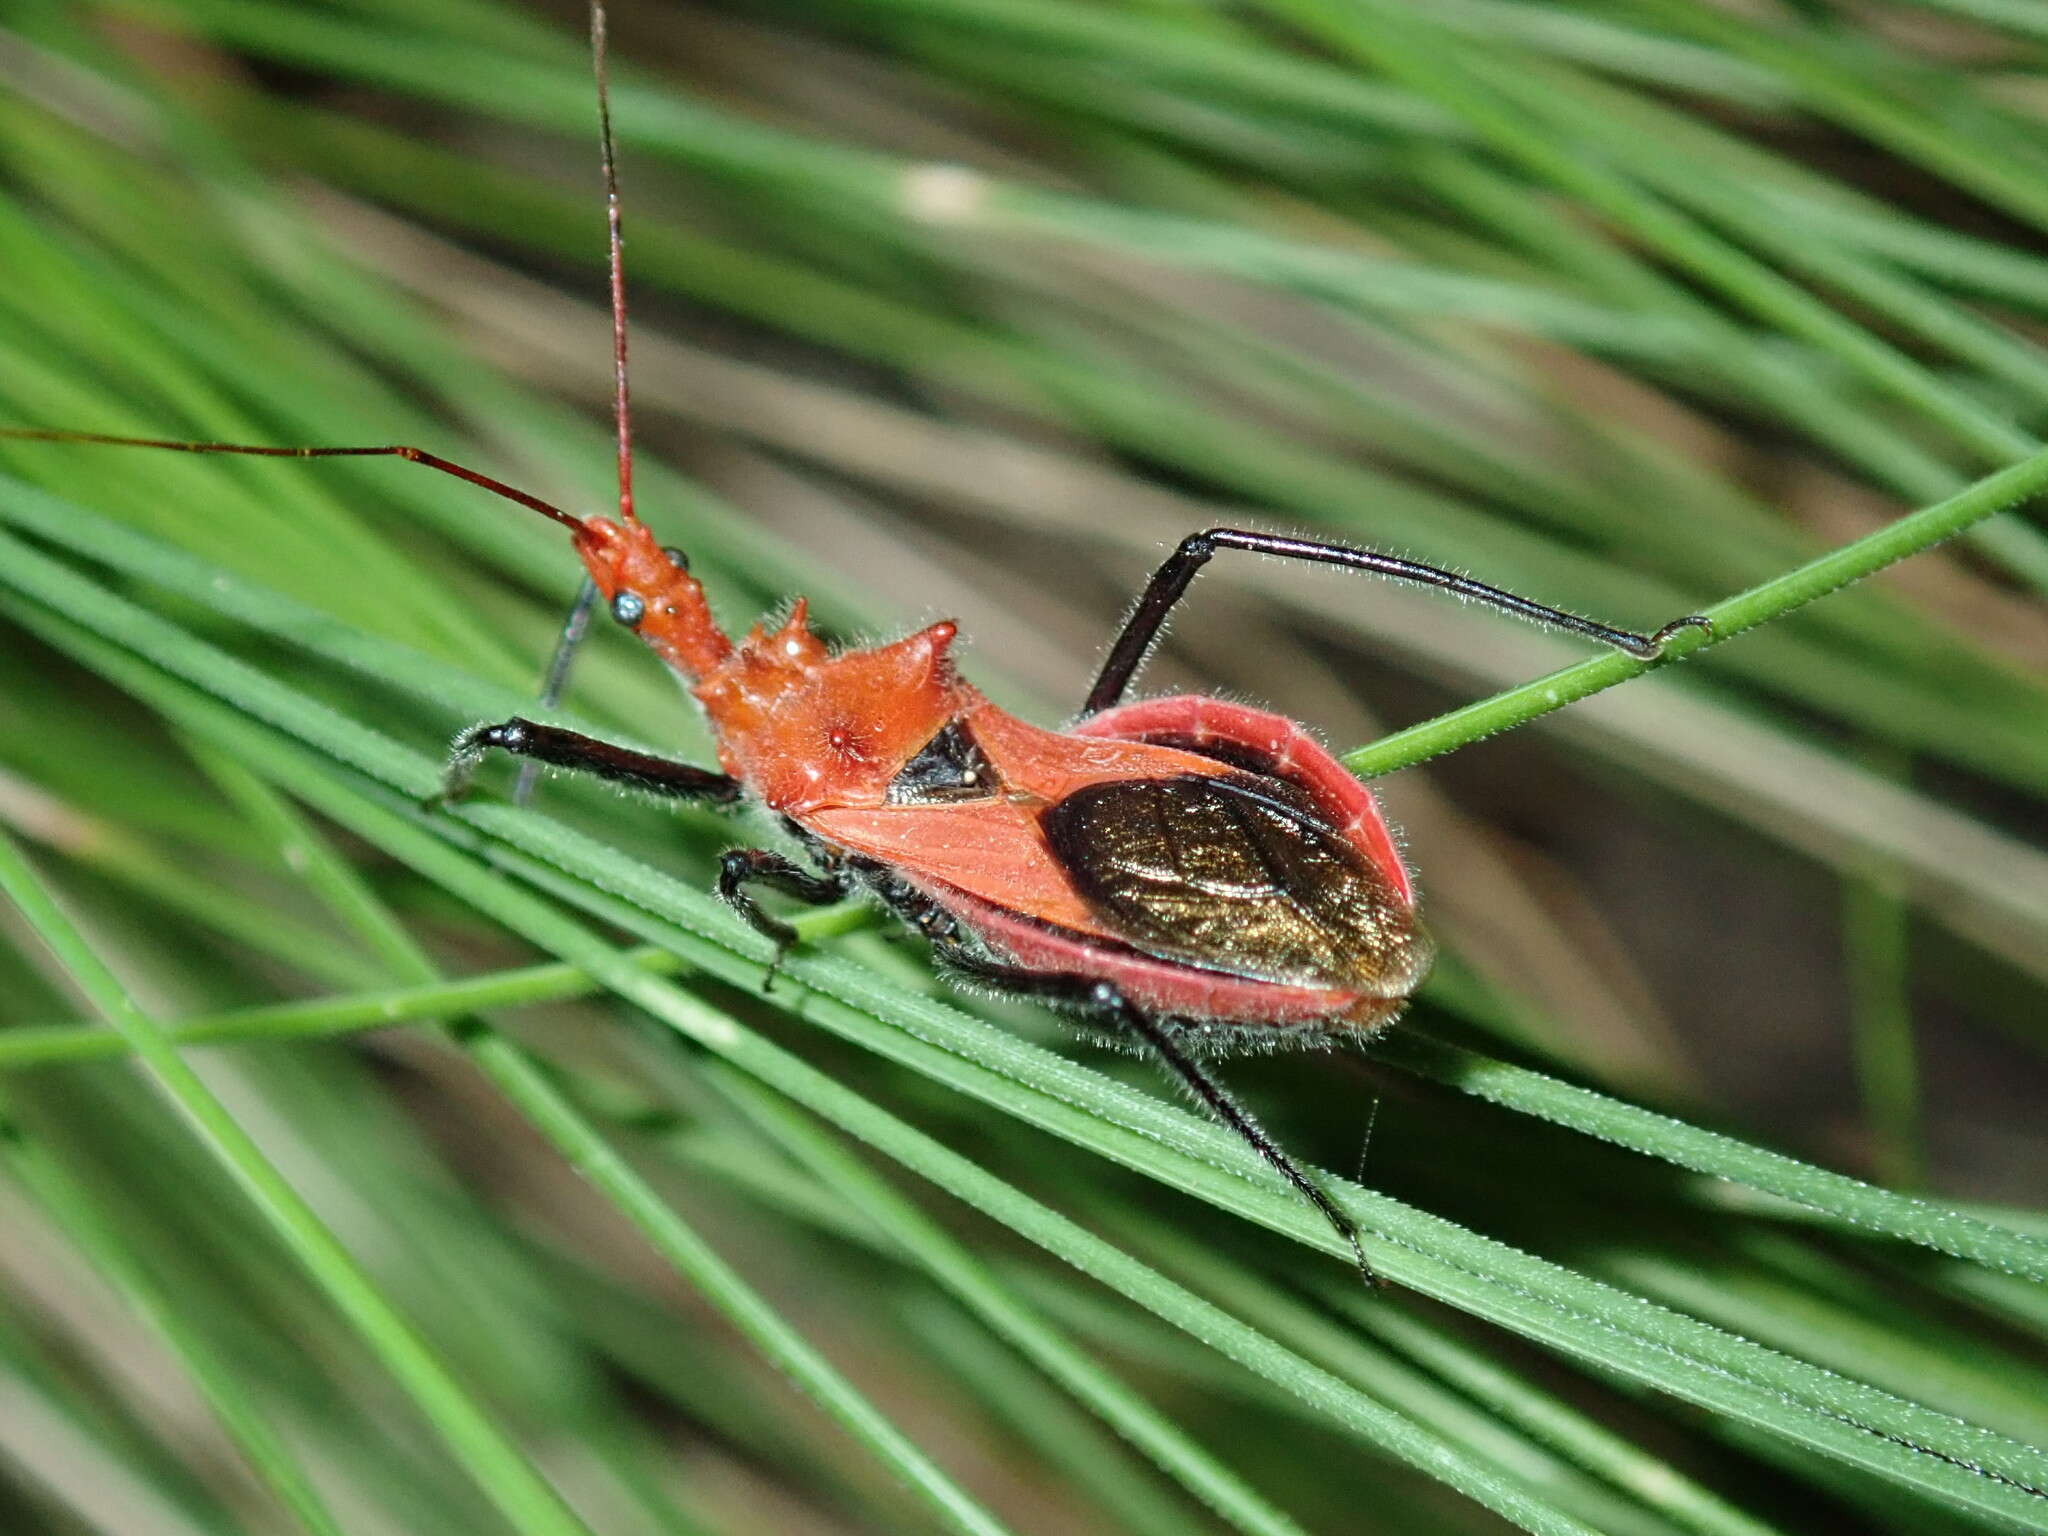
(1186, 873)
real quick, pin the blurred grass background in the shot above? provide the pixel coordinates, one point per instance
(971, 308)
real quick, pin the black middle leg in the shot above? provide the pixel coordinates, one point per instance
(1104, 1002)
(742, 867)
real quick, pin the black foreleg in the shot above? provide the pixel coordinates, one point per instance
(578, 753)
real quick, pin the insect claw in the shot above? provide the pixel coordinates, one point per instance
(1663, 637)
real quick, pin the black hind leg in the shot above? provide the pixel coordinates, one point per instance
(1170, 583)
(1103, 1002)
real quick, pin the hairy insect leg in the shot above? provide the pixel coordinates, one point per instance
(742, 867)
(558, 748)
(1102, 1000)
(1170, 583)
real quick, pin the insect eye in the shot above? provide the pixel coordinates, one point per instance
(629, 608)
(676, 557)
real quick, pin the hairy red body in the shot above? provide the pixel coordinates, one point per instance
(825, 738)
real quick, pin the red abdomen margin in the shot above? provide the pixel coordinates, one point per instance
(1254, 742)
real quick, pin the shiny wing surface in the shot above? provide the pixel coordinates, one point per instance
(1238, 873)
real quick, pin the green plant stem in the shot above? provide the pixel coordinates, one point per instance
(1773, 599)
(50, 1045)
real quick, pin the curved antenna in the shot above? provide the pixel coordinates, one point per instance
(388, 451)
(600, 63)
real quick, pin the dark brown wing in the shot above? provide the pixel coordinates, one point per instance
(1237, 873)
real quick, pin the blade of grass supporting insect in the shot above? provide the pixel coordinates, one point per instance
(1595, 1114)
(971, 1283)
(1847, 1418)
(1856, 1205)
(1445, 1260)
(70, 1202)
(1851, 562)
(1363, 1417)
(525, 1499)
(1425, 1251)
(1550, 1418)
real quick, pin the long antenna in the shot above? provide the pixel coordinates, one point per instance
(386, 451)
(621, 399)
(578, 622)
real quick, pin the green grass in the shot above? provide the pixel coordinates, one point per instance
(366, 1168)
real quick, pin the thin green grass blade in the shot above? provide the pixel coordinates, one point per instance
(71, 1203)
(1007, 1316)
(526, 1500)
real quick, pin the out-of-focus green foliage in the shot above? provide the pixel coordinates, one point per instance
(973, 306)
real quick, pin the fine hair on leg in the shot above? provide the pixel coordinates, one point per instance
(577, 753)
(742, 867)
(1218, 1101)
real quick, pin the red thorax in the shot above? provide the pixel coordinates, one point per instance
(801, 727)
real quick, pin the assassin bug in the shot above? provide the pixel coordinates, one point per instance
(1189, 874)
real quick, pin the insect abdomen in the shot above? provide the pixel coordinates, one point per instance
(1239, 873)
